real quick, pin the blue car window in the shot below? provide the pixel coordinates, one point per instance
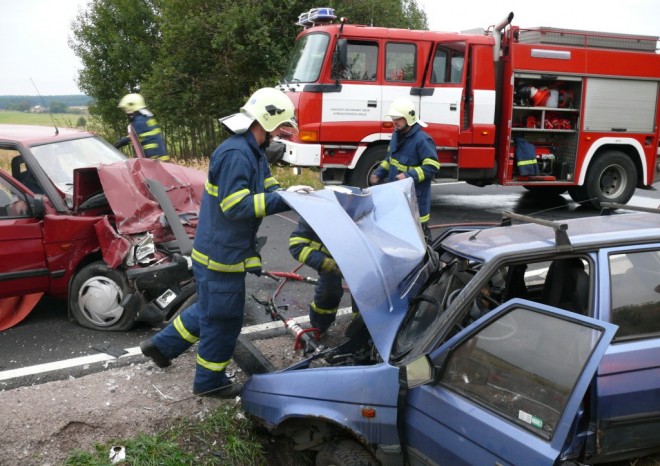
(635, 290)
(522, 366)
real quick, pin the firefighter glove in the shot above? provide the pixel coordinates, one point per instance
(329, 265)
(299, 189)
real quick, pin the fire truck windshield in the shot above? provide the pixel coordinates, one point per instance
(307, 58)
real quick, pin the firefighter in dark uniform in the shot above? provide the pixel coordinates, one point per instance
(306, 247)
(145, 126)
(411, 153)
(240, 191)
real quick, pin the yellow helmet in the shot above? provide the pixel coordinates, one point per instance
(132, 103)
(404, 108)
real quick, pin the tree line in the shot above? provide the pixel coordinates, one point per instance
(54, 103)
(198, 60)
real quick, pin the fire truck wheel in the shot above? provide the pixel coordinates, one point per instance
(612, 177)
(369, 161)
(95, 298)
(579, 195)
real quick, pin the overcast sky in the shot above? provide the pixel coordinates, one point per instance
(34, 33)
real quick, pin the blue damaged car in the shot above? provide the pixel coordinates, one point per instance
(534, 343)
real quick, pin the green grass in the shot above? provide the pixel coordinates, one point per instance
(224, 438)
(68, 120)
(309, 176)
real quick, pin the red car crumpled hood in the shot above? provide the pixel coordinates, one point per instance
(135, 209)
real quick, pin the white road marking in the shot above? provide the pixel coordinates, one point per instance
(102, 357)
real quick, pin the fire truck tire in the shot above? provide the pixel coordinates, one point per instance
(95, 298)
(612, 177)
(369, 161)
(579, 195)
(345, 453)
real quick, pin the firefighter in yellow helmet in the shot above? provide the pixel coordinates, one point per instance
(411, 154)
(145, 126)
(240, 191)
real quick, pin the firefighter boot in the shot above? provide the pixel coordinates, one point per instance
(150, 350)
(321, 321)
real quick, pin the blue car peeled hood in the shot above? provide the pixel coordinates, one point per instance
(375, 236)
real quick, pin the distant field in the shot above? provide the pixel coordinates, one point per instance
(68, 120)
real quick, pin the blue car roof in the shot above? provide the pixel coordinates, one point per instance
(583, 233)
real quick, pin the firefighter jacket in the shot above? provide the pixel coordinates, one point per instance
(414, 154)
(306, 247)
(148, 132)
(239, 192)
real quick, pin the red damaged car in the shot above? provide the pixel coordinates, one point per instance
(79, 220)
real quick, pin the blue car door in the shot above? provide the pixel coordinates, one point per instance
(507, 388)
(627, 404)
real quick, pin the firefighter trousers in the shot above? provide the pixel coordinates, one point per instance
(215, 321)
(327, 295)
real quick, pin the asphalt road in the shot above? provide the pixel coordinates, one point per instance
(47, 336)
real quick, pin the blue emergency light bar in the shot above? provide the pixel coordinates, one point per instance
(315, 16)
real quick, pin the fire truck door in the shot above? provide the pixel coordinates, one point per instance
(353, 113)
(441, 97)
(401, 74)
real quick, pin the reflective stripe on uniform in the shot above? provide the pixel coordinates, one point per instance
(526, 162)
(203, 259)
(399, 166)
(211, 189)
(252, 262)
(420, 173)
(311, 245)
(320, 310)
(425, 218)
(417, 168)
(431, 162)
(233, 199)
(268, 182)
(163, 158)
(304, 254)
(212, 366)
(260, 205)
(146, 134)
(185, 334)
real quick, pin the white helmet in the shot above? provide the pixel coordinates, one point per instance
(404, 108)
(132, 103)
(269, 106)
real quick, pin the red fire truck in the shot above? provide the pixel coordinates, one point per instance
(586, 101)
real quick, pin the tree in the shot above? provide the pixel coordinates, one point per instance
(404, 14)
(117, 42)
(57, 107)
(198, 60)
(21, 106)
(214, 55)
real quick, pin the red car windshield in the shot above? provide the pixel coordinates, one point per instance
(59, 159)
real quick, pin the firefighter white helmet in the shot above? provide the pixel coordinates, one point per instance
(132, 103)
(404, 108)
(270, 107)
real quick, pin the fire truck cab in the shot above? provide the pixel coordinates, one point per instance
(586, 103)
